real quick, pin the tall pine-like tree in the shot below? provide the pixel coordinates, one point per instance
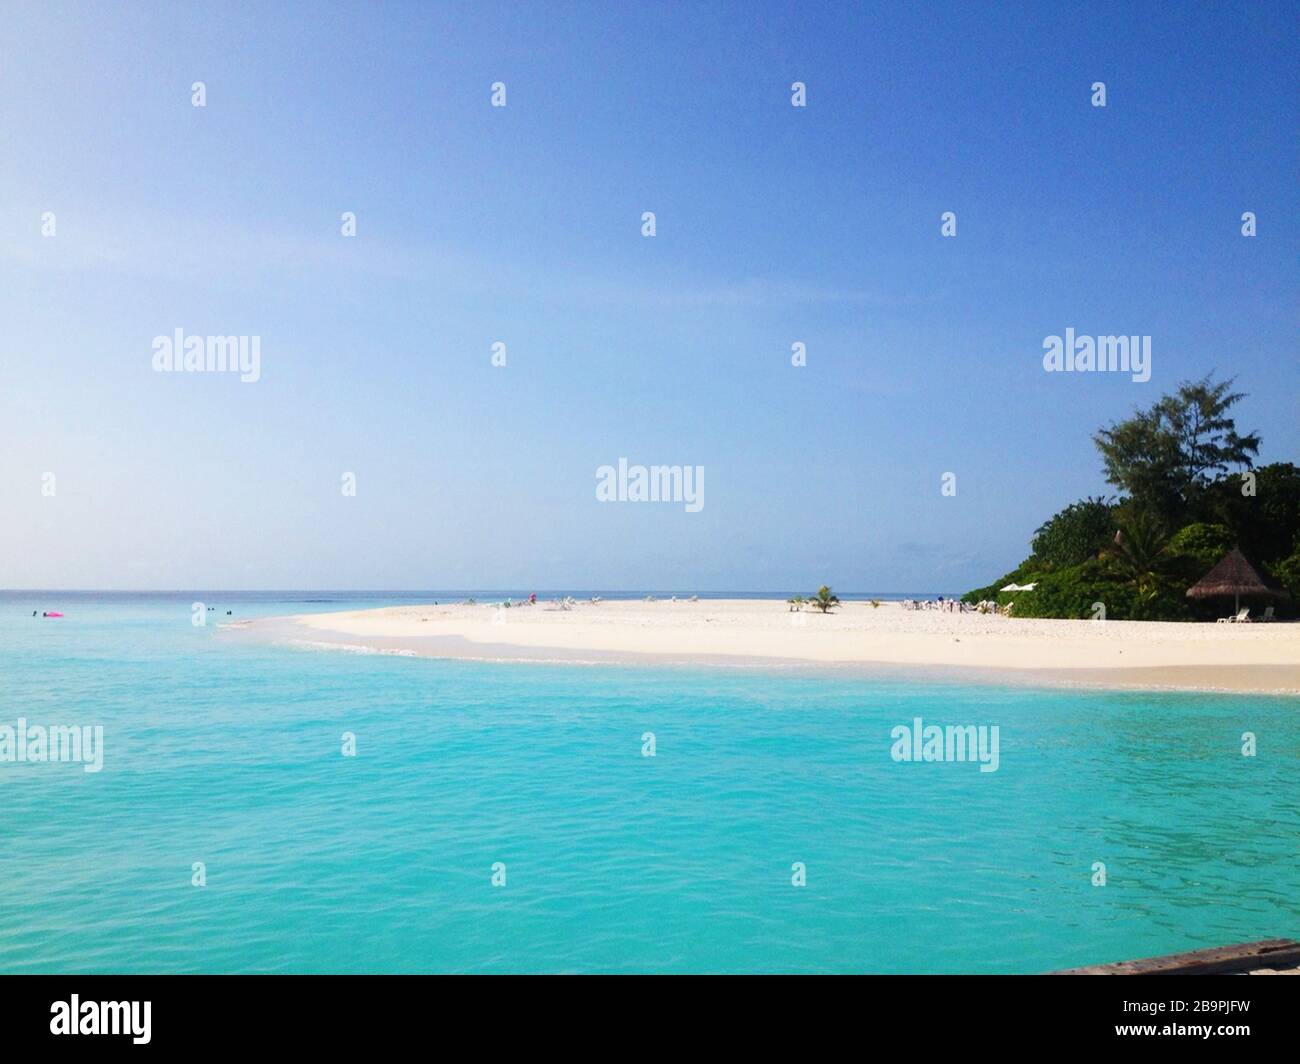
(1163, 457)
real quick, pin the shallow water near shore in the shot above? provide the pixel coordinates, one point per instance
(228, 752)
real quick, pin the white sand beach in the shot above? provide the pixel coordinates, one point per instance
(1247, 657)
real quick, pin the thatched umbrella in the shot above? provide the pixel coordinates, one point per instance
(1234, 575)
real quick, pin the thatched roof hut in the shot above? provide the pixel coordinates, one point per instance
(1234, 575)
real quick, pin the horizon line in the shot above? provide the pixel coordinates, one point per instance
(412, 591)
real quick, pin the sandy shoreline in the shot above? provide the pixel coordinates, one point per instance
(1254, 657)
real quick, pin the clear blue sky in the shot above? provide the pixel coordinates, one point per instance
(522, 224)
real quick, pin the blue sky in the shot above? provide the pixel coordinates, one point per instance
(522, 224)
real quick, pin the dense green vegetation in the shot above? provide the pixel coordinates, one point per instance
(1189, 493)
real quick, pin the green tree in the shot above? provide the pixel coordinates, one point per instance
(824, 600)
(1165, 456)
(1199, 546)
(1139, 554)
(1262, 508)
(1075, 534)
(1287, 572)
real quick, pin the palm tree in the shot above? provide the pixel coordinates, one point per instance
(796, 603)
(1140, 553)
(824, 600)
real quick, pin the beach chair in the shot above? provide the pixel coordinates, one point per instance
(1268, 614)
(1242, 616)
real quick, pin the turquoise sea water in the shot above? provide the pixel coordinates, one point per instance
(226, 752)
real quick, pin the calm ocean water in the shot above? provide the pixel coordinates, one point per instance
(228, 753)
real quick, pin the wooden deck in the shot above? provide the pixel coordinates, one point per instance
(1273, 956)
